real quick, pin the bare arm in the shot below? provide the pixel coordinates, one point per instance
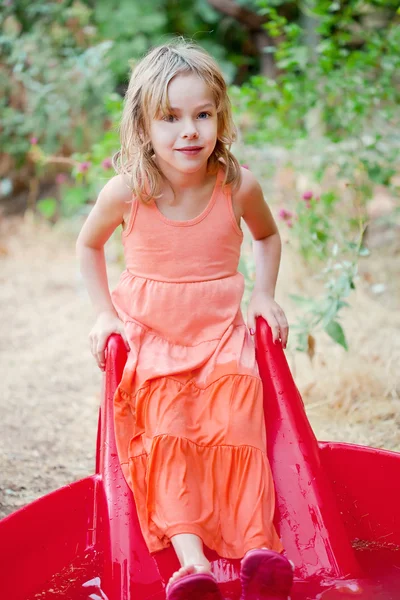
(266, 239)
(105, 217)
(267, 255)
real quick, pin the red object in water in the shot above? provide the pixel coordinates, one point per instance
(337, 513)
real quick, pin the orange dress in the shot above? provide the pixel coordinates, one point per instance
(189, 409)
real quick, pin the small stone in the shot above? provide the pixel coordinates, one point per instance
(378, 288)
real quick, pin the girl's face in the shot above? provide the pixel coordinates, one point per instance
(185, 138)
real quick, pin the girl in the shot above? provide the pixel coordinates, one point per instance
(189, 408)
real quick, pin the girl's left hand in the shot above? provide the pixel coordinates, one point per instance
(263, 305)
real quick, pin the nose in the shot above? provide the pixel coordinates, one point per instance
(189, 131)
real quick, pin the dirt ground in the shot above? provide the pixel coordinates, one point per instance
(50, 385)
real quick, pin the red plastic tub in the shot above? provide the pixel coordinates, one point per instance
(337, 513)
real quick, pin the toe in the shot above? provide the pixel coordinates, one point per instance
(182, 572)
(187, 570)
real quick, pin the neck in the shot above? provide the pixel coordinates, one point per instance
(179, 181)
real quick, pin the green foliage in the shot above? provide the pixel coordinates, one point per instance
(89, 170)
(136, 27)
(47, 207)
(92, 169)
(54, 78)
(61, 59)
(334, 107)
(312, 226)
(339, 82)
(321, 231)
(322, 313)
(133, 25)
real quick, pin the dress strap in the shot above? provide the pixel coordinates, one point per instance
(227, 193)
(132, 215)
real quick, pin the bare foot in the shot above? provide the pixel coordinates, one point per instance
(188, 570)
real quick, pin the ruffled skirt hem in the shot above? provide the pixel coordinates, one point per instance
(223, 494)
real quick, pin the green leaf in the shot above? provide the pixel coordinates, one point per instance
(343, 304)
(330, 312)
(47, 207)
(306, 302)
(302, 341)
(335, 331)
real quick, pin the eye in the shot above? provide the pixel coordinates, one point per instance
(169, 118)
(205, 114)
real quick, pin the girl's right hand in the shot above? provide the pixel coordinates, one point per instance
(107, 323)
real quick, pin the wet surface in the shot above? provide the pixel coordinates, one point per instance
(380, 564)
(82, 580)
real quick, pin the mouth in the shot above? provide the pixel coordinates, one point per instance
(190, 149)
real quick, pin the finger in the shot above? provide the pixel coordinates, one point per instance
(100, 361)
(100, 353)
(283, 328)
(251, 321)
(93, 344)
(284, 334)
(273, 323)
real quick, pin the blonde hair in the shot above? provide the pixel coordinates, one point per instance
(147, 95)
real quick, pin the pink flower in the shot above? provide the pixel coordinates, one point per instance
(290, 224)
(107, 163)
(308, 195)
(246, 167)
(34, 141)
(284, 214)
(61, 178)
(84, 166)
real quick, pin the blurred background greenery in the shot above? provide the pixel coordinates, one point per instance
(315, 86)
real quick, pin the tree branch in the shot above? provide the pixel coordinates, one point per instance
(250, 19)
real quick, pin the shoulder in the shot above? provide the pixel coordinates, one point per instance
(249, 183)
(249, 191)
(253, 208)
(107, 213)
(116, 192)
(114, 200)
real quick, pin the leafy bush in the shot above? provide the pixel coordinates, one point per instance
(61, 59)
(338, 87)
(55, 77)
(87, 172)
(322, 313)
(333, 107)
